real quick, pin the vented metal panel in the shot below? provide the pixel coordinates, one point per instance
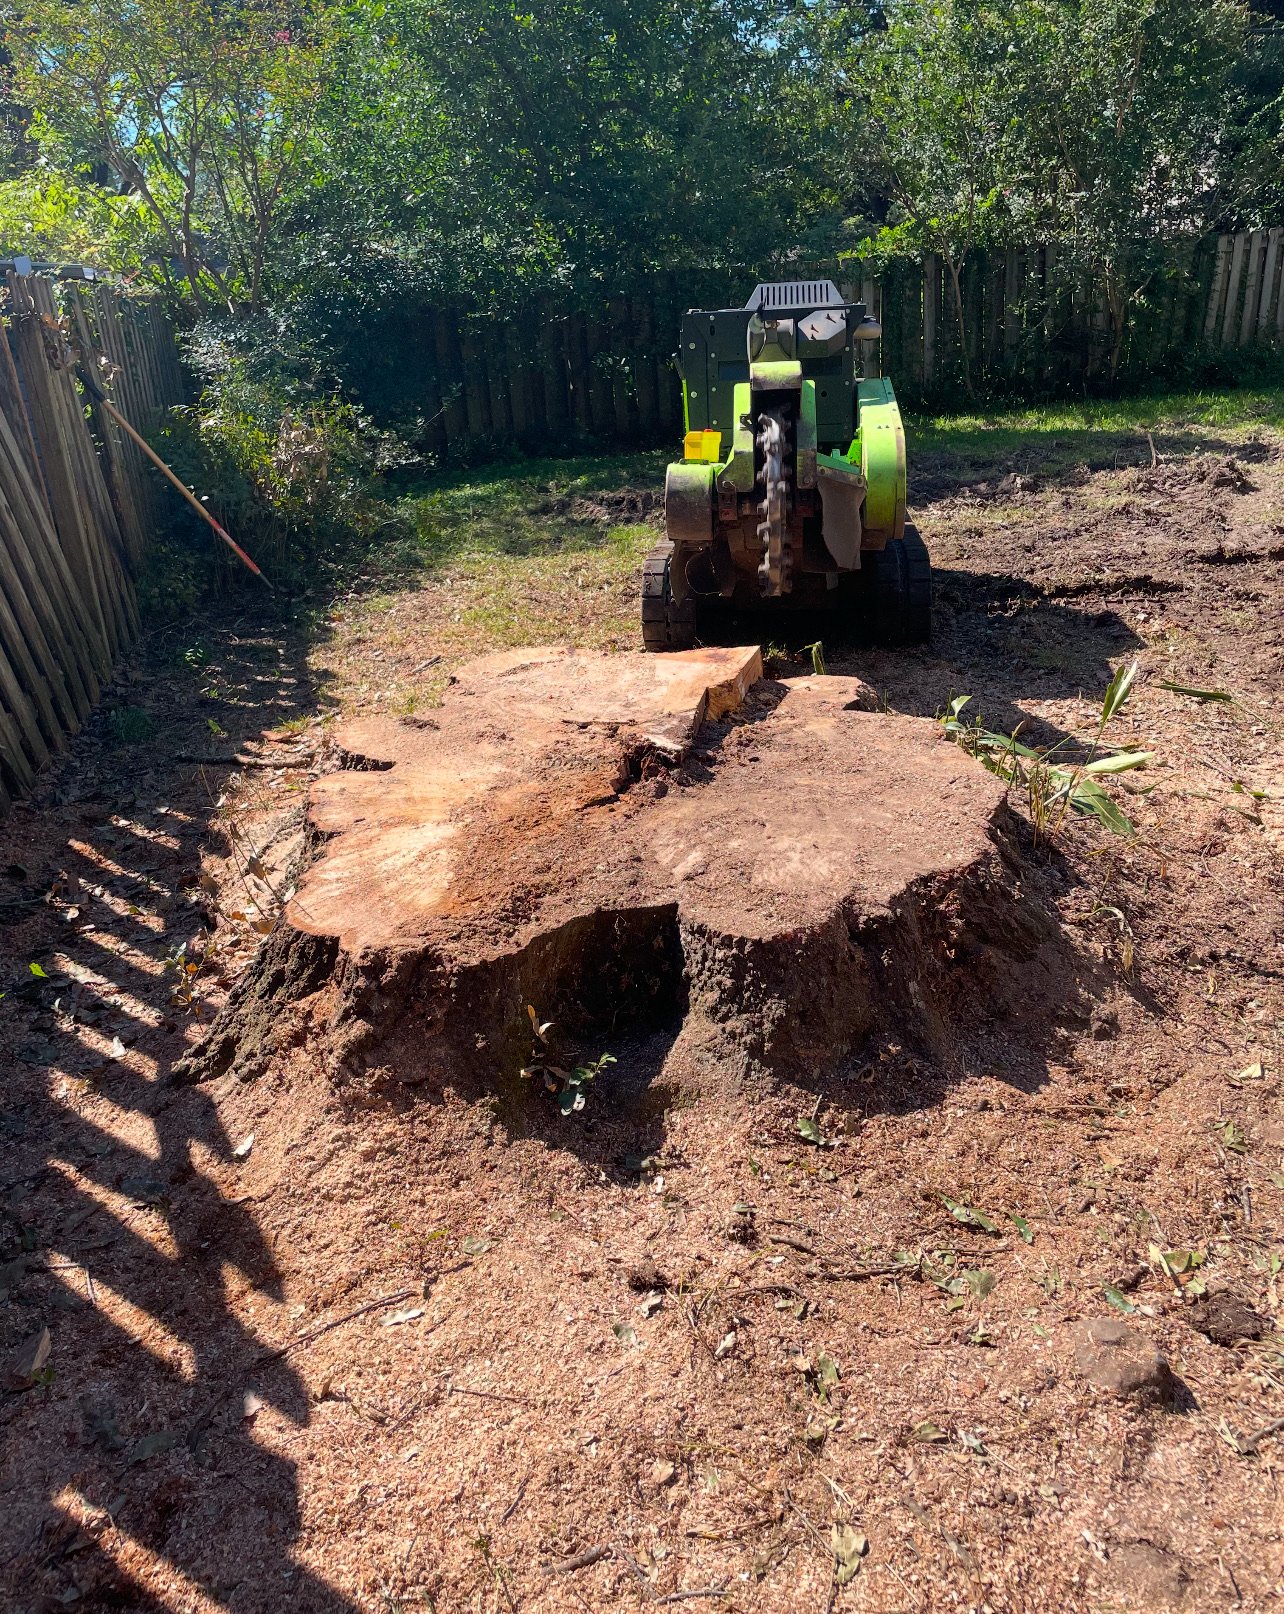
(784, 296)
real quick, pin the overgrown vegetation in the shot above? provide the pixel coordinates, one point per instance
(306, 182)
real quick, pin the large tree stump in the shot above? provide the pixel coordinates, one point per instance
(621, 841)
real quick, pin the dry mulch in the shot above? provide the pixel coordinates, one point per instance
(409, 1353)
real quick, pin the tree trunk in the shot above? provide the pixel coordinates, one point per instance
(955, 265)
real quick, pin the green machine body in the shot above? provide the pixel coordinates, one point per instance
(791, 489)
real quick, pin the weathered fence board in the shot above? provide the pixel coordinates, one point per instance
(76, 504)
(604, 370)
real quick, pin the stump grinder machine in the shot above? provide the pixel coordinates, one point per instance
(791, 488)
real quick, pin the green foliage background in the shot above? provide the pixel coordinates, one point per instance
(306, 180)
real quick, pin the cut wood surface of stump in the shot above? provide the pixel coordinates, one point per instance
(766, 867)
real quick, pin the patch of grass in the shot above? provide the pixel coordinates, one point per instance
(130, 725)
(532, 552)
(534, 507)
(1054, 437)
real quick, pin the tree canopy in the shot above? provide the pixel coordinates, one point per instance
(300, 160)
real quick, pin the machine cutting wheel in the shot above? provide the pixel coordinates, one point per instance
(791, 488)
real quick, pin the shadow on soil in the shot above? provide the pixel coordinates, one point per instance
(152, 1437)
(996, 637)
(149, 1440)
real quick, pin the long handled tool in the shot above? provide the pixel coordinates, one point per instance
(90, 383)
(187, 493)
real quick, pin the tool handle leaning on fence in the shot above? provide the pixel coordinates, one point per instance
(99, 396)
(187, 493)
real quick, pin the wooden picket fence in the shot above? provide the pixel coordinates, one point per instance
(1026, 329)
(603, 371)
(77, 503)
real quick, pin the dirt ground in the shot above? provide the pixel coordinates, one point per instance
(794, 1347)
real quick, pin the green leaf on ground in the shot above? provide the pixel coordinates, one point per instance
(826, 1374)
(1119, 762)
(1119, 1301)
(1118, 690)
(1197, 694)
(1233, 1136)
(968, 1216)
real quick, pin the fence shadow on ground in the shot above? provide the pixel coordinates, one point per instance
(134, 1463)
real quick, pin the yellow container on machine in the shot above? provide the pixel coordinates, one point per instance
(705, 447)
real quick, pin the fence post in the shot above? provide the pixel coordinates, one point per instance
(1256, 253)
(1232, 287)
(1217, 291)
(872, 296)
(1269, 286)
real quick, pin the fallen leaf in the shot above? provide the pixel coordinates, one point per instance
(152, 1445)
(475, 1246)
(808, 1129)
(28, 1361)
(403, 1316)
(928, 1432)
(969, 1217)
(625, 1333)
(1197, 694)
(1180, 1261)
(662, 1473)
(1119, 1301)
(848, 1547)
(980, 1283)
(242, 1150)
(1233, 1136)
(251, 1404)
(1022, 1226)
(117, 1048)
(725, 1345)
